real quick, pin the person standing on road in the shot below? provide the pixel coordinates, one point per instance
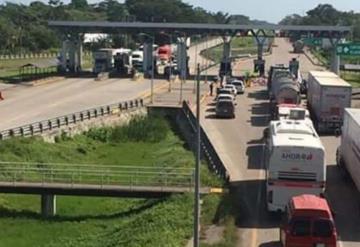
(211, 88)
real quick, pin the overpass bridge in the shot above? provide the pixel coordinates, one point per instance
(50, 179)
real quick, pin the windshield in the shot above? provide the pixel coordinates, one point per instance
(322, 228)
(301, 227)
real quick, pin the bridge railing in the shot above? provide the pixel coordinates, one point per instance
(72, 118)
(18, 173)
(207, 149)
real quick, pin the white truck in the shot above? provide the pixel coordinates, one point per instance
(348, 154)
(137, 59)
(328, 95)
(295, 161)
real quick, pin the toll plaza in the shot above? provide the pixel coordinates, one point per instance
(72, 33)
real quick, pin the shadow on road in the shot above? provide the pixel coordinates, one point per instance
(255, 154)
(249, 201)
(259, 121)
(210, 110)
(260, 109)
(259, 95)
(344, 199)
(271, 244)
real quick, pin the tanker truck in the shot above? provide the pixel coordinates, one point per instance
(284, 90)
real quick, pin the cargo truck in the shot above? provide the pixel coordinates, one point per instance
(104, 59)
(327, 95)
(295, 161)
(348, 154)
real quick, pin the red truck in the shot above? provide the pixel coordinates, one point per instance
(308, 222)
(164, 53)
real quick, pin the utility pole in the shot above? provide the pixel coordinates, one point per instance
(197, 164)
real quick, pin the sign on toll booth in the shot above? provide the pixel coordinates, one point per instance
(313, 41)
(350, 49)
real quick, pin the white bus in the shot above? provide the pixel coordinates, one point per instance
(295, 161)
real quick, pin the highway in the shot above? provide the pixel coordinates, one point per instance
(240, 146)
(26, 104)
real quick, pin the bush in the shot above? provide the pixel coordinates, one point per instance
(139, 129)
(146, 129)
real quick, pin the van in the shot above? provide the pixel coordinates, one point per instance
(225, 108)
(308, 222)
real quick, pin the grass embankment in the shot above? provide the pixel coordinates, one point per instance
(9, 68)
(84, 221)
(352, 77)
(239, 46)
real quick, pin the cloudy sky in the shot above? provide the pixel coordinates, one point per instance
(270, 10)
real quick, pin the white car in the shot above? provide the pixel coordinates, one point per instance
(226, 97)
(240, 86)
(232, 88)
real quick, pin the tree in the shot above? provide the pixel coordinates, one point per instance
(79, 4)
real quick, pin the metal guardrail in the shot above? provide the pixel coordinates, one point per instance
(97, 175)
(215, 163)
(54, 123)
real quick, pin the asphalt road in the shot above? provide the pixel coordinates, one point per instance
(26, 104)
(240, 145)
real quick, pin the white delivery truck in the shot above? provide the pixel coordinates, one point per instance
(295, 161)
(348, 154)
(328, 95)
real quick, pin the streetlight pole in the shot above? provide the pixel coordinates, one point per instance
(197, 164)
(152, 66)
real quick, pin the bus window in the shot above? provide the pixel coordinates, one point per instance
(301, 227)
(322, 228)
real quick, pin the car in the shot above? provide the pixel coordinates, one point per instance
(308, 221)
(224, 91)
(226, 96)
(239, 85)
(225, 108)
(232, 88)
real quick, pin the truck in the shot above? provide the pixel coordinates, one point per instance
(295, 161)
(298, 46)
(164, 54)
(327, 97)
(104, 59)
(348, 153)
(274, 69)
(137, 59)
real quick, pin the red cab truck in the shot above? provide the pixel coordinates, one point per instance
(308, 222)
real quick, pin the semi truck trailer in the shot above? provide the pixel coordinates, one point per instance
(348, 154)
(328, 95)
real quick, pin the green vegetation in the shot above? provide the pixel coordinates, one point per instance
(352, 77)
(84, 221)
(9, 68)
(24, 28)
(239, 46)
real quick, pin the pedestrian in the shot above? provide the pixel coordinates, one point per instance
(211, 88)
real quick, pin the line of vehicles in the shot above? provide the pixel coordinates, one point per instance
(123, 61)
(226, 97)
(295, 155)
